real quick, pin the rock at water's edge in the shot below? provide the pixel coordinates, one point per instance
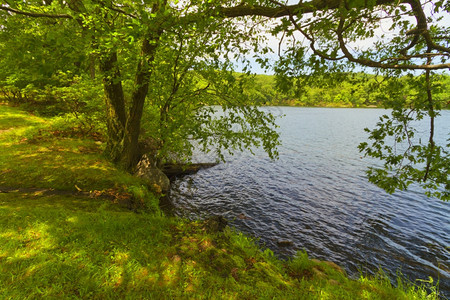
(153, 176)
(285, 243)
(174, 170)
(215, 224)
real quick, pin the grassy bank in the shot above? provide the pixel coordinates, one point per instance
(73, 226)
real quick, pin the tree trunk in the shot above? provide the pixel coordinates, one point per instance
(131, 150)
(91, 65)
(115, 106)
(123, 129)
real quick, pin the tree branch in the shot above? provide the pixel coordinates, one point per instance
(432, 114)
(312, 41)
(35, 14)
(285, 10)
(117, 9)
(377, 64)
(422, 26)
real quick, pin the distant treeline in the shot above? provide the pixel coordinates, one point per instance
(340, 90)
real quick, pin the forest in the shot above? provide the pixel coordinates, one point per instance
(341, 90)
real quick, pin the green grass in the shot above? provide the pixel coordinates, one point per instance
(12, 118)
(31, 156)
(68, 246)
(64, 246)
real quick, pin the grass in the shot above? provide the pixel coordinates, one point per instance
(59, 246)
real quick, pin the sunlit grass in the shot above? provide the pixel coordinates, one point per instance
(76, 241)
(12, 118)
(67, 246)
(30, 165)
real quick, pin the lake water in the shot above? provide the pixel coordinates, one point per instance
(317, 196)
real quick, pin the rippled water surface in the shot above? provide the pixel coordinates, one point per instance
(316, 196)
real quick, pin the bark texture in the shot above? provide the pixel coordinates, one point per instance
(124, 125)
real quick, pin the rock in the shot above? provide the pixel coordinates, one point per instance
(153, 176)
(285, 243)
(243, 217)
(144, 164)
(156, 179)
(174, 170)
(215, 224)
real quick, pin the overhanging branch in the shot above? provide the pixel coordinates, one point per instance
(377, 64)
(286, 10)
(281, 10)
(35, 14)
(422, 26)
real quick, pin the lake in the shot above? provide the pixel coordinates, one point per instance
(316, 196)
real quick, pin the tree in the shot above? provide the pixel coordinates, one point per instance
(190, 81)
(117, 29)
(32, 49)
(131, 33)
